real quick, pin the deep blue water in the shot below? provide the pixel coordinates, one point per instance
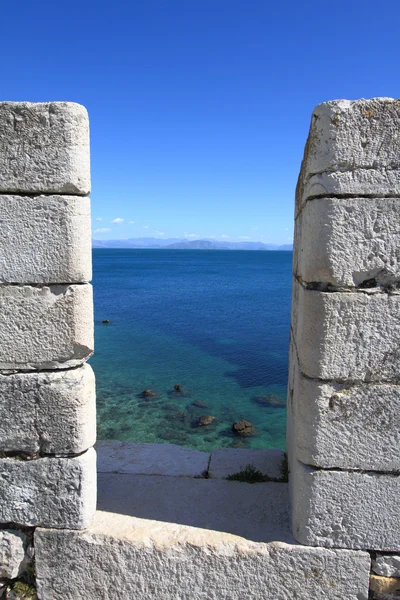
(216, 322)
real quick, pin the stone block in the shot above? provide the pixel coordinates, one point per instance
(150, 459)
(345, 509)
(347, 426)
(47, 327)
(48, 412)
(53, 237)
(44, 148)
(12, 553)
(227, 461)
(352, 149)
(351, 336)
(387, 565)
(346, 242)
(149, 559)
(384, 588)
(50, 492)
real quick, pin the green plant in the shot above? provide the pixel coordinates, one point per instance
(249, 474)
(284, 469)
(23, 591)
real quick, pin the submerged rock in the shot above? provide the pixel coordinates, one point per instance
(175, 436)
(180, 416)
(147, 394)
(200, 404)
(270, 400)
(242, 427)
(206, 420)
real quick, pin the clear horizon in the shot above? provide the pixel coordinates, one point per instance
(199, 111)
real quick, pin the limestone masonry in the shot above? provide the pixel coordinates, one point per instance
(47, 395)
(169, 524)
(64, 253)
(44, 148)
(35, 408)
(343, 403)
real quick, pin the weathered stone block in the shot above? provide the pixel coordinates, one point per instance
(149, 559)
(46, 327)
(345, 509)
(53, 238)
(385, 588)
(48, 412)
(50, 492)
(12, 553)
(387, 565)
(346, 242)
(347, 426)
(44, 147)
(348, 336)
(352, 149)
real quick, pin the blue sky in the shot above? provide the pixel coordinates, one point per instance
(199, 110)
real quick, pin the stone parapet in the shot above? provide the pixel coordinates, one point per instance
(175, 561)
(47, 393)
(344, 395)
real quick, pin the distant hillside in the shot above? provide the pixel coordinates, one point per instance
(196, 245)
(179, 244)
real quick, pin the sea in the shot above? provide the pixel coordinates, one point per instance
(215, 323)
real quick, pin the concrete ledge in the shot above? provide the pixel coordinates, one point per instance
(150, 459)
(259, 512)
(123, 557)
(345, 509)
(45, 327)
(48, 412)
(44, 147)
(228, 461)
(347, 241)
(52, 237)
(50, 492)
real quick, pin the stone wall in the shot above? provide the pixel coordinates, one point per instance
(344, 389)
(47, 392)
(343, 404)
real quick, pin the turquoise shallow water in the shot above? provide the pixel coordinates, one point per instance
(216, 322)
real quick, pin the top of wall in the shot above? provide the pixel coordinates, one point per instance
(352, 150)
(44, 148)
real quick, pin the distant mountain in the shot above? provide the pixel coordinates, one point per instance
(183, 244)
(196, 245)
